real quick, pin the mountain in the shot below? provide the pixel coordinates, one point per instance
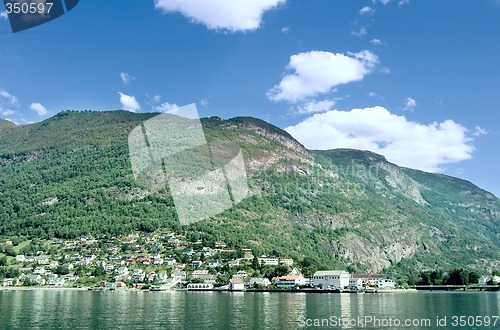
(70, 175)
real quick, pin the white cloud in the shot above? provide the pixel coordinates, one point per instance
(39, 109)
(318, 72)
(402, 3)
(384, 2)
(479, 131)
(167, 107)
(11, 99)
(126, 78)
(316, 106)
(410, 104)
(129, 102)
(285, 29)
(359, 33)
(240, 15)
(4, 15)
(205, 102)
(377, 42)
(367, 11)
(155, 99)
(406, 143)
(7, 112)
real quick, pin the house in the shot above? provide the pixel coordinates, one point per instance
(355, 282)
(325, 278)
(109, 267)
(199, 272)
(20, 258)
(233, 263)
(196, 264)
(71, 278)
(36, 280)
(269, 261)
(252, 282)
(240, 274)
(236, 284)
(177, 274)
(211, 279)
(200, 286)
(39, 271)
(10, 282)
(369, 279)
(55, 280)
(42, 260)
(290, 281)
(151, 276)
(158, 261)
(247, 254)
(138, 275)
(162, 277)
(67, 267)
(123, 271)
(484, 280)
(286, 261)
(170, 261)
(214, 264)
(386, 284)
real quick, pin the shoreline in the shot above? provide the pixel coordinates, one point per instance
(380, 291)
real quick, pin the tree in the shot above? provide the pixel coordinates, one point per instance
(3, 261)
(309, 270)
(458, 277)
(474, 277)
(255, 263)
(436, 277)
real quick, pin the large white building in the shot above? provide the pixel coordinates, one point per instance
(325, 278)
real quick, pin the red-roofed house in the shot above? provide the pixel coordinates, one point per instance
(290, 281)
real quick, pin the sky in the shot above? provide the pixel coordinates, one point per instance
(415, 81)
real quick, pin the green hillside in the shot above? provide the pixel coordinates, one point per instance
(70, 175)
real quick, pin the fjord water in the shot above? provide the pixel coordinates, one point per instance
(74, 309)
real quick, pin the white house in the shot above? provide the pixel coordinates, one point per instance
(325, 278)
(386, 284)
(170, 261)
(39, 271)
(355, 282)
(290, 281)
(485, 279)
(250, 282)
(236, 284)
(269, 261)
(20, 258)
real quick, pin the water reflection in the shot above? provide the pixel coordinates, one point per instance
(67, 309)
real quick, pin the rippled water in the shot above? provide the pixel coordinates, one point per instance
(68, 309)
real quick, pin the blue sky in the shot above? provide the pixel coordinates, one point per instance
(417, 81)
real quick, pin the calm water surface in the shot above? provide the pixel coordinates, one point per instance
(68, 309)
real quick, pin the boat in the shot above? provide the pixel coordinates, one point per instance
(371, 290)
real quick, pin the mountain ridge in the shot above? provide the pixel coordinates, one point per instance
(70, 175)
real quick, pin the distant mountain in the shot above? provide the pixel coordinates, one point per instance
(6, 124)
(70, 175)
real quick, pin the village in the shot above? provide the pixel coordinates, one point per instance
(166, 261)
